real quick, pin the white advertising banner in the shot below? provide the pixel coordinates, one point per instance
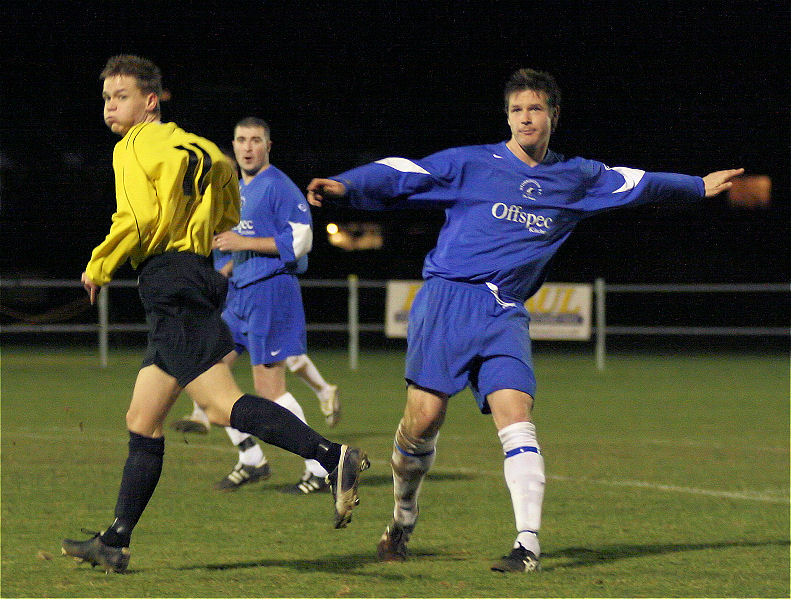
(559, 311)
(398, 300)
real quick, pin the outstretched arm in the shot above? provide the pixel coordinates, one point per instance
(319, 189)
(719, 181)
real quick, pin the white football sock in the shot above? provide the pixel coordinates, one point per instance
(523, 468)
(410, 462)
(253, 456)
(250, 453)
(199, 415)
(296, 362)
(236, 436)
(306, 370)
(290, 403)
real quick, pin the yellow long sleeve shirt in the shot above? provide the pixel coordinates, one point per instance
(174, 191)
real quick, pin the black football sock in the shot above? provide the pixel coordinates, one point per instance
(141, 474)
(273, 424)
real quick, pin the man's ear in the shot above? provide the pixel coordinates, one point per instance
(152, 102)
(554, 119)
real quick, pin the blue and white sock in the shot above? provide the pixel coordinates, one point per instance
(250, 453)
(410, 462)
(523, 468)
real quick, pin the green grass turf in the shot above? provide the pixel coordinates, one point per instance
(667, 476)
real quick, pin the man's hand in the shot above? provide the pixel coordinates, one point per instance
(319, 189)
(719, 181)
(90, 287)
(227, 269)
(228, 241)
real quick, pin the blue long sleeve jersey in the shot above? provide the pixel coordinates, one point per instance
(272, 206)
(505, 219)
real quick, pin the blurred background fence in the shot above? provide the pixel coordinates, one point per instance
(353, 306)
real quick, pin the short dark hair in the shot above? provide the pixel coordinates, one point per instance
(254, 122)
(147, 74)
(538, 81)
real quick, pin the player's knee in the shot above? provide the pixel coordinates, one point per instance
(422, 419)
(420, 427)
(510, 406)
(295, 363)
(415, 445)
(143, 424)
(131, 420)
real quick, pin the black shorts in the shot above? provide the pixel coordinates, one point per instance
(183, 297)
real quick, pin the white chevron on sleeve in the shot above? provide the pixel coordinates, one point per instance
(402, 164)
(631, 177)
(302, 238)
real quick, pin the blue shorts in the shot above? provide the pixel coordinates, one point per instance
(267, 319)
(460, 335)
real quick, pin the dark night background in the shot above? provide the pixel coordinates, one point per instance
(666, 86)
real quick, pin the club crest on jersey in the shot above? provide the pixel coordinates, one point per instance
(530, 189)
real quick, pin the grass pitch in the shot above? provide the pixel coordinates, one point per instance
(667, 476)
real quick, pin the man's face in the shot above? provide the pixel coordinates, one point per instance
(125, 105)
(530, 119)
(251, 148)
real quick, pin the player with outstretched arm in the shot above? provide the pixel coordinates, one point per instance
(509, 207)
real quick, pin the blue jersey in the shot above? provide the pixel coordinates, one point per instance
(505, 219)
(272, 206)
(220, 258)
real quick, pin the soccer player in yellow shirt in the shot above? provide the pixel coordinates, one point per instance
(176, 192)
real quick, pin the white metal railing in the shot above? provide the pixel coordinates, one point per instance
(353, 327)
(103, 327)
(602, 329)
